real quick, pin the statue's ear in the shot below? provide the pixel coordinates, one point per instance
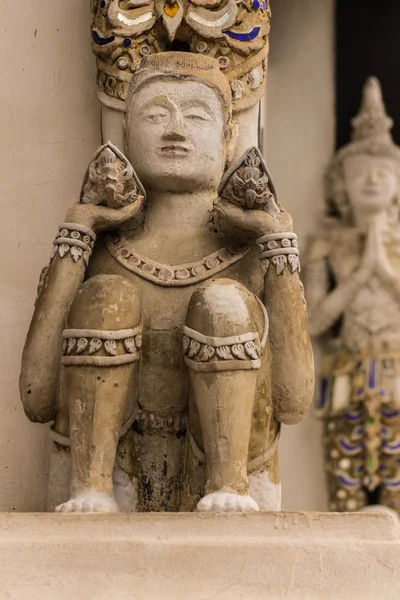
(110, 179)
(248, 184)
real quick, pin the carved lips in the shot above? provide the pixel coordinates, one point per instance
(175, 150)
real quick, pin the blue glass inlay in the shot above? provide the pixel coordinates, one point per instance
(323, 395)
(392, 483)
(264, 6)
(348, 482)
(256, 4)
(350, 416)
(382, 393)
(391, 446)
(360, 393)
(100, 40)
(102, 4)
(372, 375)
(345, 445)
(127, 42)
(244, 37)
(390, 414)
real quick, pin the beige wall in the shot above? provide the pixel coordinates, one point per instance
(300, 132)
(49, 124)
(49, 129)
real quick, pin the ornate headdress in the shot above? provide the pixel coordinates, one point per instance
(234, 33)
(371, 135)
(371, 127)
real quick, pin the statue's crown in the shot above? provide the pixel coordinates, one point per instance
(372, 121)
(233, 32)
(371, 127)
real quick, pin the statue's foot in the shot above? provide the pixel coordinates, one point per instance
(227, 502)
(89, 501)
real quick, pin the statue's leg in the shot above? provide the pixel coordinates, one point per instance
(222, 350)
(102, 342)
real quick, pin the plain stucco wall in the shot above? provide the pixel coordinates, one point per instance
(300, 141)
(49, 124)
(49, 129)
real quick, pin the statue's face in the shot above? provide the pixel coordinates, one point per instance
(371, 182)
(175, 136)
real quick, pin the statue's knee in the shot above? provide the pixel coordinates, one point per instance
(225, 327)
(223, 307)
(103, 324)
(105, 302)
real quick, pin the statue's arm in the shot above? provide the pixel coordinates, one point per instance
(292, 362)
(324, 306)
(42, 351)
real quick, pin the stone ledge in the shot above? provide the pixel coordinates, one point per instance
(199, 557)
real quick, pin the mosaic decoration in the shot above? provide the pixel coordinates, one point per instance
(235, 33)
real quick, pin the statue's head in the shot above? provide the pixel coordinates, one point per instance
(364, 175)
(178, 125)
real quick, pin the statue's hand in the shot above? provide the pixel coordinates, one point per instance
(101, 218)
(230, 219)
(375, 253)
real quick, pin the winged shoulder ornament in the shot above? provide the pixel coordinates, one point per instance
(248, 184)
(110, 179)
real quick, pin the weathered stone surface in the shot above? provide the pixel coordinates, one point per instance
(199, 557)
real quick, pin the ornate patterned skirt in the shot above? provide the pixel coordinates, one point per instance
(359, 401)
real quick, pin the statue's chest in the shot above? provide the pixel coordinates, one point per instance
(345, 255)
(164, 300)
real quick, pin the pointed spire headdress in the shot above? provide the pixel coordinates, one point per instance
(371, 126)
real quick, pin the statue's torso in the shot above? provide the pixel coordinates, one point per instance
(372, 316)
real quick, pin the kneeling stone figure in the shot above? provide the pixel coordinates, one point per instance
(169, 339)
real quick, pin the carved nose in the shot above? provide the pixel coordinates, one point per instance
(175, 130)
(373, 177)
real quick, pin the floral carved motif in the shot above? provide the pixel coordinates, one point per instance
(101, 348)
(212, 353)
(280, 249)
(74, 240)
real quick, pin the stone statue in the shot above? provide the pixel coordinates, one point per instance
(166, 353)
(353, 291)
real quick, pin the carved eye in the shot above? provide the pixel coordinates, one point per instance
(157, 117)
(196, 114)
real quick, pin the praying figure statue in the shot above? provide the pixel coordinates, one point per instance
(352, 285)
(169, 340)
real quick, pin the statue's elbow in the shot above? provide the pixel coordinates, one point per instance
(295, 405)
(37, 401)
(291, 418)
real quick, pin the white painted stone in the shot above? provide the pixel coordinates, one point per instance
(266, 493)
(227, 502)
